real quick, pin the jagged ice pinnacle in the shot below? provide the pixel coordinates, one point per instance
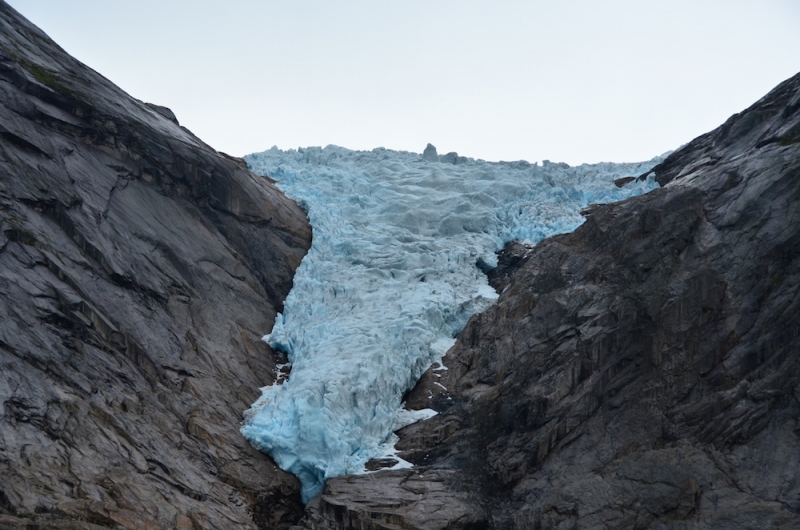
(393, 274)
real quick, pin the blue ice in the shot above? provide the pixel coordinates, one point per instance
(390, 279)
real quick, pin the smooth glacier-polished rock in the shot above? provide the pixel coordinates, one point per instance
(138, 270)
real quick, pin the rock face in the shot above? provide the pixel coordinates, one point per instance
(430, 153)
(641, 372)
(138, 269)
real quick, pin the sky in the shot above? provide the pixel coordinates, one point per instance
(576, 81)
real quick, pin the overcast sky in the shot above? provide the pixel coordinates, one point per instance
(565, 80)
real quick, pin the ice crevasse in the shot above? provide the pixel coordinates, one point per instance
(393, 274)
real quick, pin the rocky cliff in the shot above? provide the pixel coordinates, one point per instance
(138, 269)
(641, 372)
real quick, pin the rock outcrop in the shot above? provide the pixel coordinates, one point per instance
(641, 372)
(138, 269)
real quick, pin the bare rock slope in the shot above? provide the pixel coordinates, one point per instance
(641, 372)
(138, 269)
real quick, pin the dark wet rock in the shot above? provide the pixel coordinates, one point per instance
(620, 182)
(138, 270)
(509, 260)
(641, 372)
(380, 463)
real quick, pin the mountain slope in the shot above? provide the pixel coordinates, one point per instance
(138, 270)
(641, 372)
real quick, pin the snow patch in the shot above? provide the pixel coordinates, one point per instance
(406, 417)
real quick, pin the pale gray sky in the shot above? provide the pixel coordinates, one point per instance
(567, 80)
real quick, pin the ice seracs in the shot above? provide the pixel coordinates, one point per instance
(393, 274)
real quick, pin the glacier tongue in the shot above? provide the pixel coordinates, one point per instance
(391, 277)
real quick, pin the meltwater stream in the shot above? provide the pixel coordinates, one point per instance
(391, 277)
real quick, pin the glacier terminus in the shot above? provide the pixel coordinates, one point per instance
(395, 270)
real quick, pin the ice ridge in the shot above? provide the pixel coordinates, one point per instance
(390, 279)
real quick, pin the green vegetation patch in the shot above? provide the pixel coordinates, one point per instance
(46, 77)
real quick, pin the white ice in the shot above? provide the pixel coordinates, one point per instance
(391, 277)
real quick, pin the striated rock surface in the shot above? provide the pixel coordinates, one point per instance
(641, 372)
(138, 269)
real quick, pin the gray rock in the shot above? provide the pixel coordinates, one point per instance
(408, 499)
(430, 154)
(163, 111)
(641, 372)
(138, 269)
(620, 182)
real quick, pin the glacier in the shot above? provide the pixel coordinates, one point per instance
(393, 274)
